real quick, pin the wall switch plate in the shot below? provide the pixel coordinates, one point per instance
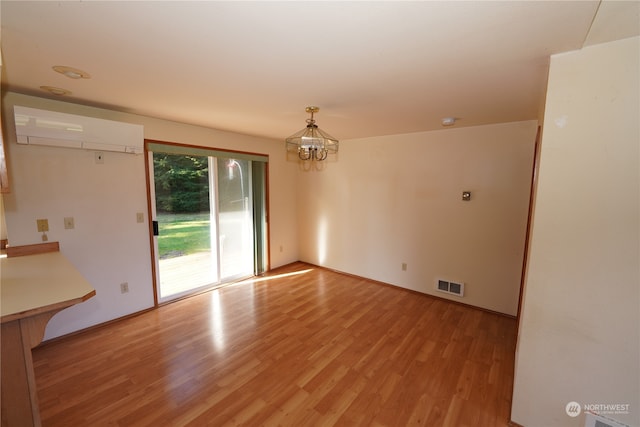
(404, 266)
(68, 223)
(124, 287)
(43, 225)
(140, 217)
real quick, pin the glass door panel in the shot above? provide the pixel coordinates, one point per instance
(186, 222)
(235, 218)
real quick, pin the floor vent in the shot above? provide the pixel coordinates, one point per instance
(594, 420)
(450, 287)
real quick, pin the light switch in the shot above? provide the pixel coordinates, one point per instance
(43, 225)
(140, 217)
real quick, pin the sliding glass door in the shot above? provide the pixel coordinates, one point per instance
(204, 209)
(234, 218)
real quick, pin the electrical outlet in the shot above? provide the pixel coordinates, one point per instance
(404, 266)
(124, 288)
(43, 225)
(68, 223)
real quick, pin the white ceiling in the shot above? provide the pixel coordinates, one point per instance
(373, 68)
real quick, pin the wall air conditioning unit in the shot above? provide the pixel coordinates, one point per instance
(43, 127)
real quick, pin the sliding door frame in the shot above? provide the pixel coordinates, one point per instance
(150, 202)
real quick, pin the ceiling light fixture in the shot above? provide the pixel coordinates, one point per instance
(72, 73)
(312, 143)
(56, 90)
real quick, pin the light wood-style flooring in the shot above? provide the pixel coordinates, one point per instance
(303, 346)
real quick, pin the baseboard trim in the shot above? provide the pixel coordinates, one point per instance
(138, 313)
(486, 310)
(93, 328)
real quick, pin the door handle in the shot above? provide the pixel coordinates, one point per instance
(156, 230)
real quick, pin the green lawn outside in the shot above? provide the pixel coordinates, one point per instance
(183, 234)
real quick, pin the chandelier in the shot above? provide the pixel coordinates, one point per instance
(312, 143)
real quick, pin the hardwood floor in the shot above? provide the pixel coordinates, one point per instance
(311, 348)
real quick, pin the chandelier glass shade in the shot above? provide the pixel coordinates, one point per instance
(312, 143)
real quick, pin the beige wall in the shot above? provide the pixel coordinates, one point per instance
(580, 328)
(107, 245)
(397, 199)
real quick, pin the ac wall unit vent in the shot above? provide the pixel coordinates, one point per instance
(593, 420)
(450, 287)
(54, 129)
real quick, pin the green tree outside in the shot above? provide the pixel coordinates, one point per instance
(181, 183)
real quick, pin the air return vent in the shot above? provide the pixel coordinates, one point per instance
(593, 420)
(450, 287)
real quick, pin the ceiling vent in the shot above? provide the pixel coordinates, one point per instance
(594, 420)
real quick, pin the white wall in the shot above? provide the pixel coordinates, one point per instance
(579, 334)
(397, 199)
(107, 245)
